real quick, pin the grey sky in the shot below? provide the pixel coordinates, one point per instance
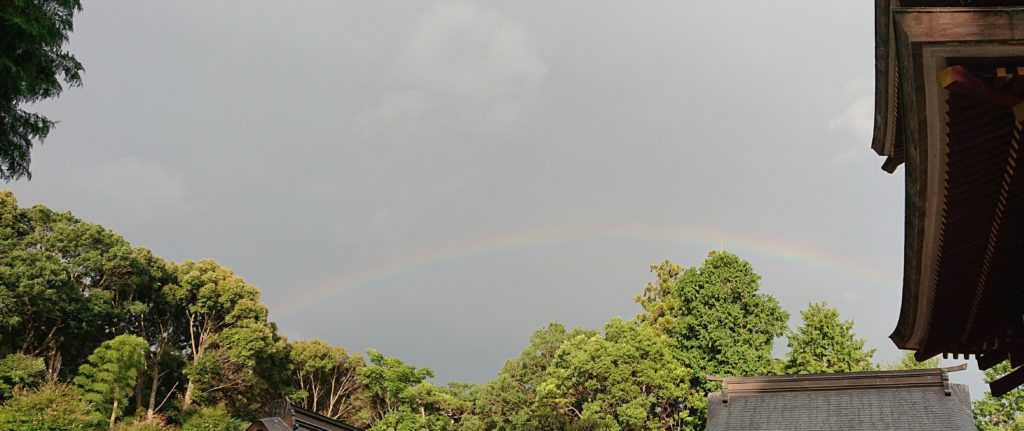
(439, 179)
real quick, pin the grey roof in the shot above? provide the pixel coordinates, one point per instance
(876, 401)
(295, 418)
(308, 420)
(269, 424)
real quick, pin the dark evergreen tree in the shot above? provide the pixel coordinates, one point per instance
(33, 66)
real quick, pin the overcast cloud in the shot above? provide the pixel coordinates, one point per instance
(438, 179)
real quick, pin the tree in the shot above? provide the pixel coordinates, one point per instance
(400, 398)
(110, 374)
(232, 349)
(39, 300)
(19, 371)
(909, 362)
(216, 418)
(717, 320)
(51, 407)
(33, 64)
(389, 382)
(715, 315)
(628, 379)
(159, 321)
(66, 283)
(327, 378)
(67, 286)
(1005, 413)
(507, 403)
(826, 344)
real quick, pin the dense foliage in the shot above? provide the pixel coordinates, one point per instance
(50, 407)
(715, 315)
(1005, 413)
(34, 66)
(327, 380)
(98, 334)
(826, 344)
(629, 378)
(111, 372)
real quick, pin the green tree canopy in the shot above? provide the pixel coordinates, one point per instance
(203, 347)
(717, 317)
(234, 352)
(327, 380)
(401, 398)
(826, 344)
(389, 385)
(1005, 413)
(110, 375)
(507, 403)
(213, 418)
(19, 371)
(66, 284)
(33, 66)
(51, 407)
(628, 379)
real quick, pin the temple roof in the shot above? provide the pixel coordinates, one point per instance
(293, 418)
(950, 108)
(890, 117)
(881, 400)
(308, 420)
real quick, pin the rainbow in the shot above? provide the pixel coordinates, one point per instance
(744, 245)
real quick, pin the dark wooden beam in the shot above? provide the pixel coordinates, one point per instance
(1018, 81)
(891, 163)
(990, 360)
(1016, 357)
(925, 354)
(1007, 383)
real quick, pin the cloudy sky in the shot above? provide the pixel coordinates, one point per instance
(437, 179)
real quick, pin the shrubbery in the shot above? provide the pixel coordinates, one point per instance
(215, 418)
(51, 407)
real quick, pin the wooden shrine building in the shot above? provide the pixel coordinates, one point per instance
(911, 400)
(949, 107)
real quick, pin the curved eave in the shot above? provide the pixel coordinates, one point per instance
(911, 124)
(883, 81)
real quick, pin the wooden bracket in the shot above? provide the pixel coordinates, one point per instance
(959, 80)
(945, 383)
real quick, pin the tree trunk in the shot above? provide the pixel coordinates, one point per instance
(154, 385)
(53, 363)
(187, 402)
(138, 393)
(196, 351)
(113, 414)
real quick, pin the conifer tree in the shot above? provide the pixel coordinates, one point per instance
(33, 66)
(826, 344)
(110, 374)
(716, 315)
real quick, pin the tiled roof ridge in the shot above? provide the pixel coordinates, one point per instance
(755, 385)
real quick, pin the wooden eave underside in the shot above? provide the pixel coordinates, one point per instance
(887, 119)
(960, 137)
